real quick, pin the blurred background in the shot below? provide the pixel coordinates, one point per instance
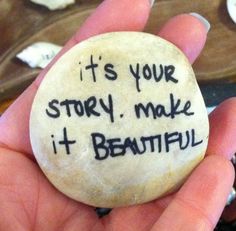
(23, 23)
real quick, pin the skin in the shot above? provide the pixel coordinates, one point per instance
(30, 202)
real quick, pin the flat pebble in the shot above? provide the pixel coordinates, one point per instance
(119, 120)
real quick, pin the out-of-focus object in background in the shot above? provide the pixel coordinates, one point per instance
(54, 4)
(231, 6)
(210, 109)
(231, 197)
(39, 54)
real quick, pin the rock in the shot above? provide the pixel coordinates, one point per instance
(39, 54)
(54, 4)
(231, 7)
(119, 120)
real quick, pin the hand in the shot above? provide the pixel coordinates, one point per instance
(30, 202)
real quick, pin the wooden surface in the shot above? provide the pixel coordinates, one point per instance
(22, 23)
(218, 60)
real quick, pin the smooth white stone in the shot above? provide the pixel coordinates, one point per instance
(99, 179)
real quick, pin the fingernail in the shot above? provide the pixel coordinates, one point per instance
(204, 21)
(152, 2)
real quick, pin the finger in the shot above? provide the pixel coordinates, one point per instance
(139, 217)
(119, 15)
(30, 202)
(111, 15)
(223, 130)
(200, 202)
(107, 18)
(187, 32)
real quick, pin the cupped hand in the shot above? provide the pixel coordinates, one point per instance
(30, 202)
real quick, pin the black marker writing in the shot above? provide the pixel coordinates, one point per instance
(159, 110)
(146, 72)
(66, 142)
(103, 147)
(54, 145)
(110, 72)
(52, 110)
(90, 107)
(91, 70)
(93, 67)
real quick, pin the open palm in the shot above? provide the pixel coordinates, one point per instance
(29, 202)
